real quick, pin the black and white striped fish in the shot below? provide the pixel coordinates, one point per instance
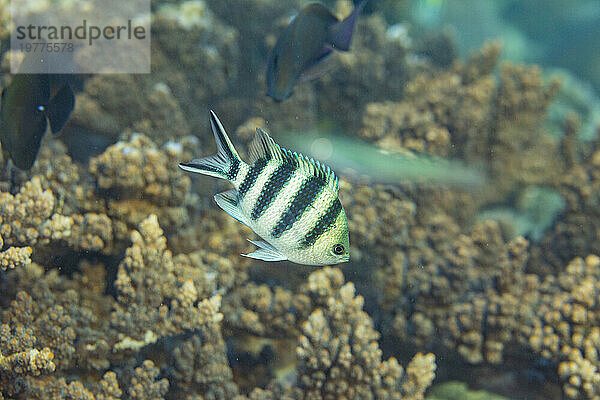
(289, 200)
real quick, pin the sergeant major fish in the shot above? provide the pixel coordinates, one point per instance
(310, 38)
(289, 200)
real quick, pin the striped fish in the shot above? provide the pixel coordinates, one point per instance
(289, 200)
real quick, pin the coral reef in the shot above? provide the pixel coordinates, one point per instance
(14, 256)
(136, 178)
(339, 356)
(565, 326)
(463, 112)
(156, 299)
(121, 279)
(29, 217)
(575, 233)
(364, 74)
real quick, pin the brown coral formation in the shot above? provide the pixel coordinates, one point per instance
(339, 357)
(565, 327)
(48, 328)
(374, 70)
(14, 256)
(29, 217)
(262, 311)
(338, 354)
(459, 291)
(462, 112)
(154, 298)
(118, 282)
(575, 233)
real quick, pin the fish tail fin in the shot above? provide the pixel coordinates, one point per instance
(340, 34)
(225, 164)
(60, 107)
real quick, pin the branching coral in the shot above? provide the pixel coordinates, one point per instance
(201, 367)
(565, 327)
(29, 217)
(55, 323)
(575, 233)
(442, 113)
(34, 216)
(139, 169)
(153, 296)
(379, 219)
(110, 105)
(145, 385)
(60, 315)
(13, 256)
(463, 112)
(463, 292)
(261, 311)
(138, 179)
(339, 356)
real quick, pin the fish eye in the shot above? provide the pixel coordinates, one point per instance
(338, 249)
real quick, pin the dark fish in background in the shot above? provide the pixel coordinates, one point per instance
(313, 34)
(27, 104)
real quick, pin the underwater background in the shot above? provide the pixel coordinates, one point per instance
(465, 136)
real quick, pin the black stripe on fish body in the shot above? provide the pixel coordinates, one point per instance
(323, 224)
(234, 169)
(251, 177)
(272, 188)
(305, 196)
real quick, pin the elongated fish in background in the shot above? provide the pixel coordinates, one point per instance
(289, 200)
(313, 34)
(27, 104)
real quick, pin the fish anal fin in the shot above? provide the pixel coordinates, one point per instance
(266, 252)
(228, 201)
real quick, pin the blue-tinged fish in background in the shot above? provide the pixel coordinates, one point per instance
(313, 34)
(27, 104)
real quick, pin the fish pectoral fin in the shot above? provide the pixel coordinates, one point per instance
(228, 201)
(266, 252)
(60, 107)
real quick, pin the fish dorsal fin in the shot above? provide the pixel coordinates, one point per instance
(264, 147)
